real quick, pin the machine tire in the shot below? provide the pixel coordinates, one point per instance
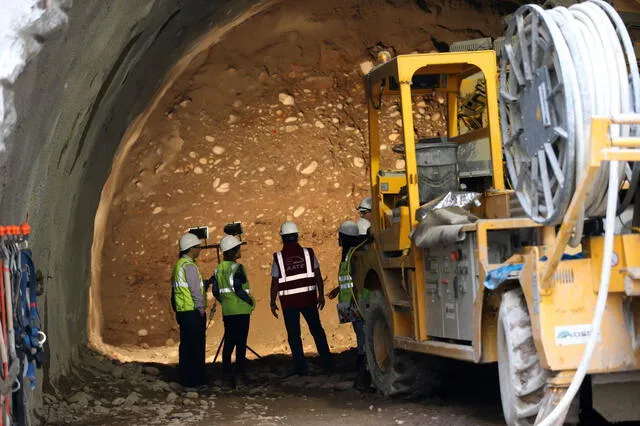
(522, 378)
(393, 371)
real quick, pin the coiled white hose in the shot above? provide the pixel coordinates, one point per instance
(599, 54)
(603, 62)
(595, 67)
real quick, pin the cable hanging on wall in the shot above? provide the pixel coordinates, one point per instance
(21, 337)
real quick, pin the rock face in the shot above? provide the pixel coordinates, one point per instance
(260, 142)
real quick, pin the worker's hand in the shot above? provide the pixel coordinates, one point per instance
(274, 310)
(321, 302)
(333, 293)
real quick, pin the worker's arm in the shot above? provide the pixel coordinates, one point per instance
(239, 279)
(319, 281)
(352, 272)
(275, 275)
(193, 280)
(215, 288)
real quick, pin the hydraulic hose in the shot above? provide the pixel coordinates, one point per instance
(596, 74)
(603, 292)
(601, 67)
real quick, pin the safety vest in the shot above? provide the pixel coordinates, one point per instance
(345, 280)
(181, 294)
(297, 283)
(231, 303)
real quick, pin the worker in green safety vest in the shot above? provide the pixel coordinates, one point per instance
(231, 288)
(351, 301)
(189, 302)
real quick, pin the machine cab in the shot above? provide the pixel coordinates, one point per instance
(423, 164)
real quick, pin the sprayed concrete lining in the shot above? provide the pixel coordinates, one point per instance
(73, 77)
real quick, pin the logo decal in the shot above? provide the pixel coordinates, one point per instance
(572, 334)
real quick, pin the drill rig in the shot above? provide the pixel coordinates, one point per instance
(514, 238)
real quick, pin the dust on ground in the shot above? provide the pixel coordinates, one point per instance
(104, 392)
(267, 126)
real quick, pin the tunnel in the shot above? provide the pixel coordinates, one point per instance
(122, 124)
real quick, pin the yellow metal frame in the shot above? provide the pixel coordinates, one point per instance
(603, 148)
(456, 66)
(563, 292)
(551, 301)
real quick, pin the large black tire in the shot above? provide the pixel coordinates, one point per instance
(522, 378)
(393, 371)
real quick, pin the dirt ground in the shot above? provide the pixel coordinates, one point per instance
(267, 126)
(108, 393)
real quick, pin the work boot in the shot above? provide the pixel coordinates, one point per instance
(360, 360)
(229, 381)
(297, 373)
(246, 380)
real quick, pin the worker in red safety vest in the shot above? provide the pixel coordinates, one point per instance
(296, 279)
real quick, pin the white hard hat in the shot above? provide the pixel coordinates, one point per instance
(188, 240)
(288, 228)
(349, 227)
(365, 205)
(363, 226)
(229, 242)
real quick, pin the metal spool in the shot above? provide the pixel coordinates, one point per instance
(536, 100)
(552, 81)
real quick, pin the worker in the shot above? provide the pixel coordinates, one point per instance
(231, 288)
(365, 208)
(351, 302)
(190, 303)
(296, 279)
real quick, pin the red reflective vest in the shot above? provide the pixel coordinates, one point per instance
(297, 283)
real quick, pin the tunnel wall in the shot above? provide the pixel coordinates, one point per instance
(80, 74)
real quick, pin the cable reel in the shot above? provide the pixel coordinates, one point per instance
(559, 68)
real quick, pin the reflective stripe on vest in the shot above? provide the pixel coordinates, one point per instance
(228, 290)
(297, 290)
(231, 303)
(283, 273)
(346, 281)
(183, 301)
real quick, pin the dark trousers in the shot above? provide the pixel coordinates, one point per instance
(192, 347)
(236, 330)
(292, 323)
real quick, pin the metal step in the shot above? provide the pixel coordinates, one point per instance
(401, 305)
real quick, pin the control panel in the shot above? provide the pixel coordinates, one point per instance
(451, 287)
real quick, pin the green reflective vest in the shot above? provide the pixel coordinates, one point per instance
(231, 304)
(181, 294)
(345, 280)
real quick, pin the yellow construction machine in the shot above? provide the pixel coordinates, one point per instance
(513, 238)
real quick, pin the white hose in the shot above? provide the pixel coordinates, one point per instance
(603, 292)
(600, 61)
(596, 64)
